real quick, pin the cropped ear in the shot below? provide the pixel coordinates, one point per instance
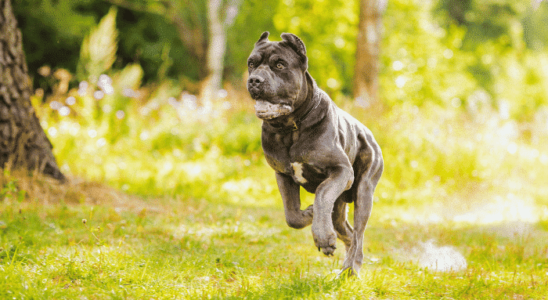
(263, 38)
(297, 45)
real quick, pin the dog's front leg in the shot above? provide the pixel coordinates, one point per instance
(294, 216)
(339, 180)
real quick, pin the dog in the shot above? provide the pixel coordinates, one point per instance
(311, 143)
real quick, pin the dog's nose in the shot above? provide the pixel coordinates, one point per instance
(255, 81)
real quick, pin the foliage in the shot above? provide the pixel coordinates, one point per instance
(487, 20)
(436, 66)
(427, 68)
(169, 37)
(260, 13)
(440, 45)
(152, 41)
(330, 43)
(53, 30)
(98, 51)
(62, 26)
(10, 190)
(534, 31)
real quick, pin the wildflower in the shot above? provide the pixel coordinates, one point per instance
(82, 88)
(222, 93)
(52, 131)
(129, 93)
(105, 84)
(173, 102)
(55, 105)
(70, 100)
(92, 133)
(101, 142)
(120, 114)
(64, 111)
(107, 108)
(98, 95)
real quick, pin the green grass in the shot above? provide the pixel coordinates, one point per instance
(172, 249)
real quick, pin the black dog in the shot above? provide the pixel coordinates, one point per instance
(312, 143)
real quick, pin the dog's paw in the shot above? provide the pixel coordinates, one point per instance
(308, 212)
(325, 241)
(348, 273)
(328, 251)
(351, 267)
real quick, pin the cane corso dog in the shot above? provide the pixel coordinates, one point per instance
(312, 143)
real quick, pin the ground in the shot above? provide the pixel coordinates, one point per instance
(125, 247)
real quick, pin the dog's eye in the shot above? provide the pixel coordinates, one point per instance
(251, 65)
(279, 66)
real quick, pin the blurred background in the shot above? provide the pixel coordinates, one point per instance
(149, 96)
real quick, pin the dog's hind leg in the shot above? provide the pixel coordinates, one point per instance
(294, 216)
(340, 223)
(363, 203)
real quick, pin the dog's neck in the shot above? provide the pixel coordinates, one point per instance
(309, 99)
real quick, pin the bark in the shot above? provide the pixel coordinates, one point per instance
(366, 72)
(23, 142)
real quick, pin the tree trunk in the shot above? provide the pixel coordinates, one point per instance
(366, 72)
(23, 142)
(217, 42)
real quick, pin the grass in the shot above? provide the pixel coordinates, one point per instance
(165, 248)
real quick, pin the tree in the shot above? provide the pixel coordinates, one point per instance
(188, 17)
(23, 142)
(202, 27)
(218, 25)
(366, 70)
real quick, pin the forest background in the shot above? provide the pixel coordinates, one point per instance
(124, 91)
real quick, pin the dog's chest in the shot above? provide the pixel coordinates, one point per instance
(294, 164)
(298, 172)
(303, 173)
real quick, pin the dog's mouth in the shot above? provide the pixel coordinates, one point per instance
(254, 92)
(266, 110)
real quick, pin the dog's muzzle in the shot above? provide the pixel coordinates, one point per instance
(255, 86)
(266, 110)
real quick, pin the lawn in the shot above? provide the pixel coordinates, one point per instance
(115, 246)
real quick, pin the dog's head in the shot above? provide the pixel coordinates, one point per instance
(277, 75)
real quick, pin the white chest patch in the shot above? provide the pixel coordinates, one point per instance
(298, 170)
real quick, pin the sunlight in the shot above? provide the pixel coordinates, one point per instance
(503, 209)
(205, 232)
(507, 209)
(92, 133)
(238, 185)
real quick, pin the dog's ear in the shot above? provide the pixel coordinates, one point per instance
(263, 38)
(297, 45)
